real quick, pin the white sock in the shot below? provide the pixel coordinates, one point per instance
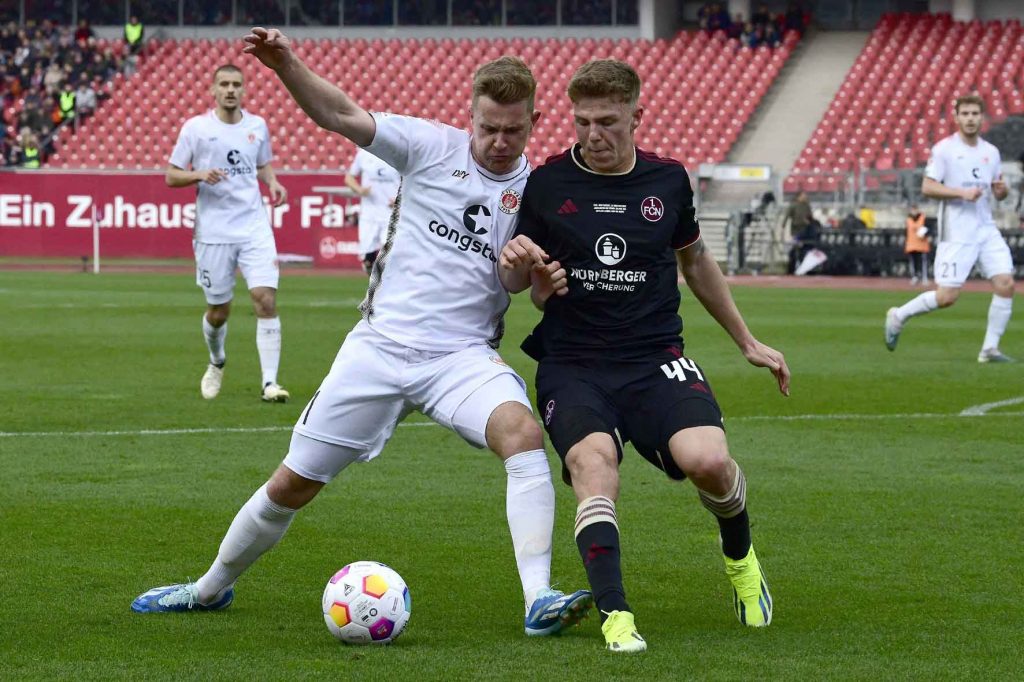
(257, 527)
(530, 507)
(925, 303)
(215, 337)
(268, 343)
(998, 317)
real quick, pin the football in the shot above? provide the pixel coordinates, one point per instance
(366, 602)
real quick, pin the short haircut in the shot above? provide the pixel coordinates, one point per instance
(505, 80)
(226, 67)
(605, 78)
(969, 99)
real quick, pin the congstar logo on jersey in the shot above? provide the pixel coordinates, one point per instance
(236, 164)
(476, 220)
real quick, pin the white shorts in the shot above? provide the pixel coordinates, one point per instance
(216, 263)
(372, 231)
(374, 383)
(954, 260)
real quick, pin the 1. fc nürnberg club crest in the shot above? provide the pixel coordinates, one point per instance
(652, 209)
(510, 201)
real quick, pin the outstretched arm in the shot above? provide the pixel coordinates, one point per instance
(322, 101)
(707, 283)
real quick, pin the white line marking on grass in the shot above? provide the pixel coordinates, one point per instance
(868, 417)
(275, 429)
(165, 432)
(979, 410)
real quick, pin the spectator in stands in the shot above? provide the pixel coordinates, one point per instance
(9, 38)
(31, 153)
(752, 35)
(762, 17)
(85, 99)
(66, 102)
(771, 36)
(134, 33)
(475, 13)
(84, 32)
(53, 77)
(35, 117)
(794, 19)
(917, 247)
(713, 17)
(736, 27)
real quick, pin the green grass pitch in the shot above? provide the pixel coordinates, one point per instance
(889, 526)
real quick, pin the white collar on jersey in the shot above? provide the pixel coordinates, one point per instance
(489, 175)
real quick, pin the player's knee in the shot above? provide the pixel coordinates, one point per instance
(512, 429)
(217, 315)
(1003, 286)
(288, 489)
(946, 297)
(593, 457)
(710, 467)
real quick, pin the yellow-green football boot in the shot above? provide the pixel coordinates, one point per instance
(620, 633)
(751, 598)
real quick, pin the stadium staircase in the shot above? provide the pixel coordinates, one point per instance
(700, 91)
(896, 101)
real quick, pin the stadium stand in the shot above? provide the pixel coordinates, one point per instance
(36, 63)
(894, 103)
(700, 90)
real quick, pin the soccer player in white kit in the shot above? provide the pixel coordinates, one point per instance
(964, 174)
(432, 318)
(223, 153)
(378, 186)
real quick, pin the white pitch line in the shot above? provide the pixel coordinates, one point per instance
(165, 432)
(274, 429)
(979, 410)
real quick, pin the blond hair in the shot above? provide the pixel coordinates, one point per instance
(226, 67)
(969, 99)
(605, 78)
(505, 80)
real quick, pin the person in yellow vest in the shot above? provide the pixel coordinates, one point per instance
(867, 216)
(917, 247)
(66, 102)
(30, 153)
(133, 33)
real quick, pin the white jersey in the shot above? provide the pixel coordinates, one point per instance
(232, 210)
(956, 164)
(383, 181)
(435, 283)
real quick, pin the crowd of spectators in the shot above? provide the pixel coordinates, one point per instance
(49, 76)
(763, 27)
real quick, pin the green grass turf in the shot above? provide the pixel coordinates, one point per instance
(893, 542)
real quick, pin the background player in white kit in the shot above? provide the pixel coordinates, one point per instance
(378, 186)
(425, 342)
(964, 174)
(228, 150)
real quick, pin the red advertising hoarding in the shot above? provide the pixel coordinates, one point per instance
(51, 214)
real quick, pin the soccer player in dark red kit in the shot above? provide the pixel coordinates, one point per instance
(602, 228)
